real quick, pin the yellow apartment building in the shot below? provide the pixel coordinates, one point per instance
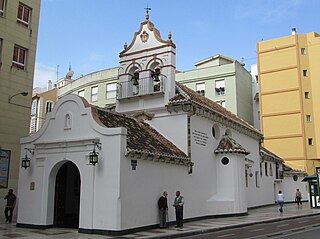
(19, 22)
(289, 84)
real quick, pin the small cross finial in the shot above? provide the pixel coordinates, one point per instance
(147, 12)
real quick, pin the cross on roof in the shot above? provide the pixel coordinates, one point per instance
(147, 11)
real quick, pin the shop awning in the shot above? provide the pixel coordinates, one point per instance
(310, 178)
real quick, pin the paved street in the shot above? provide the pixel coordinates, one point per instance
(278, 229)
(254, 217)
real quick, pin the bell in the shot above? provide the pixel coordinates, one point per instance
(156, 75)
(135, 82)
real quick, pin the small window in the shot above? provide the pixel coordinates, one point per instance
(257, 179)
(49, 105)
(111, 91)
(270, 170)
(201, 89)
(67, 121)
(306, 95)
(260, 169)
(81, 93)
(257, 79)
(219, 87)
(94, 94)
(308, 118)
(310, 141)
(34, 107)
(2, 6)
(266, 168)
(24, 14)
(224, 160)
(33, 124)
(215, 131)
(19, 57)
(295, 178)
(303, 51)
(246, 177)
(305, 73)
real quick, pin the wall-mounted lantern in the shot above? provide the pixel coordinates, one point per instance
(25, 163)
(190, 170)
(94, 156)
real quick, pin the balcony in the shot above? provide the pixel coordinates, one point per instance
(141, 87)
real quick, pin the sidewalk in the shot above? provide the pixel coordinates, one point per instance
(259, 215)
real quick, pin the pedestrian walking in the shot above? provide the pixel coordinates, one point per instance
(11, 203)
(298, 197)
(280, 200)
(178, 204)
(163, 209)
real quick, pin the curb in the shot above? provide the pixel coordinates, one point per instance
(204, 231)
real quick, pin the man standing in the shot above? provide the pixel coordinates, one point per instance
(11, 203)
(163, 209)
(298, 197)
(178, 204)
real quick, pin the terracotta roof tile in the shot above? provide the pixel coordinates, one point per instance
(141, 138)
(229, 145)
(185, 94)
(266, 152)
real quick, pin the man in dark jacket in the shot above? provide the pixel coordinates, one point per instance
(11, 203)
(163, 209)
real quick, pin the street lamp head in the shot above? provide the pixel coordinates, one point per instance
(23, 93)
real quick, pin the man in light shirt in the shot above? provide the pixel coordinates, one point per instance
(178, 204)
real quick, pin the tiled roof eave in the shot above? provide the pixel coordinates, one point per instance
(231, 151)
(146, 155)
(221, 118)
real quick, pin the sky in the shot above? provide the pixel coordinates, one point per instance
(89, 35)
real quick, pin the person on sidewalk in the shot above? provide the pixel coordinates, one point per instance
(11, 203)
(298, 197)
(280, 200)
(163, 209)
(178, 204)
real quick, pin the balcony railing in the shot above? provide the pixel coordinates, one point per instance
(140, 87)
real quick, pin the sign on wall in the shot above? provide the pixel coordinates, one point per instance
(4, 167)
(200, 138)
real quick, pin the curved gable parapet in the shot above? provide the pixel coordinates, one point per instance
(84, 107)
(146, 38)
(66, 116)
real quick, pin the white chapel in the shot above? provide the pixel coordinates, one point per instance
(103, 171)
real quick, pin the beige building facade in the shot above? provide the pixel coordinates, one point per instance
(18, 38)
(224, 81)
(42, 104)
(288, 72)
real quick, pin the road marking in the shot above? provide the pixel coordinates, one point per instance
(283, 225)
(226, 235)
(256, 230)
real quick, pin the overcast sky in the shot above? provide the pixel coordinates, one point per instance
(89, 35)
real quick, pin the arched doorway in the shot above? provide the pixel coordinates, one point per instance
(67, 196)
